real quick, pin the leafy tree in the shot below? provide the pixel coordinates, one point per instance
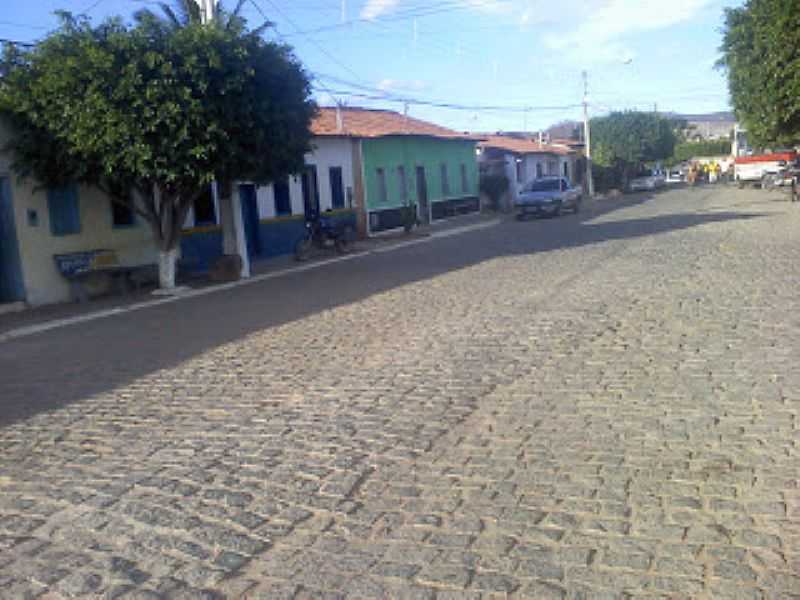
(623, 141)
(761, 55)
(687, 150)
(151, 113)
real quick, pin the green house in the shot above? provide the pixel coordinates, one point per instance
(405, 162)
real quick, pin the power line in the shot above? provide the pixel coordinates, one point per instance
(453, 106)
(16, 43)
(312, 40)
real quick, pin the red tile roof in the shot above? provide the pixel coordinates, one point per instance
(373, 123)
(522, 146)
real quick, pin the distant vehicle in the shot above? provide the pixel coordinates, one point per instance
(548, 196)
(758, 169)
(674, 176)
(646, 183)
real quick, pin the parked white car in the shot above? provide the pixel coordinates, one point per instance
(646, 183)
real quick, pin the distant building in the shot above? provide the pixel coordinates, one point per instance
(712, 126)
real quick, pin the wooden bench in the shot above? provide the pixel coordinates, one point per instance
(80, 267)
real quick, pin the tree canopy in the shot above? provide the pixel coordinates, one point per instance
(133, 108)
(687, 150)
(761, 55)
(625, 140)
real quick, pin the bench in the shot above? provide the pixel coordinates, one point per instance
(78, 268)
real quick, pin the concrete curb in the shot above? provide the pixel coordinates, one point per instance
(194, 293)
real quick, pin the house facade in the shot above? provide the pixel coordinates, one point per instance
(37, 223)
(274, 215)
(365, 166)
(523, 161)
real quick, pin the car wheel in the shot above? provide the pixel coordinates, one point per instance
(577, 208)
(557, 211)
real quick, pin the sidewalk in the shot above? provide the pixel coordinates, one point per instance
(34, 320)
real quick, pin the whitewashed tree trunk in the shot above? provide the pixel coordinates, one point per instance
(166, 268)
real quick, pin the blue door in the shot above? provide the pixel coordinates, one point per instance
(11, 287)
(249, 201)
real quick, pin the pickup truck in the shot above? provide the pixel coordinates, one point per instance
(548, 196)
(758, 169)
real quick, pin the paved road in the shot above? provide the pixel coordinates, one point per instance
(605, 405)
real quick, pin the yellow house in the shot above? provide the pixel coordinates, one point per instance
(38, 223)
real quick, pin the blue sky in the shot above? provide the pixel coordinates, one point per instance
(512, 64)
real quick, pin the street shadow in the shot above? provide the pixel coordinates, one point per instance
(49, 370)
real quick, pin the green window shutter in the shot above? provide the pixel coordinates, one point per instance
(63, 206)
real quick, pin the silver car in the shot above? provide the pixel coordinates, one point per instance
(548, 196)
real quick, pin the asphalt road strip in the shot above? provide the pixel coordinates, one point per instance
(194, 293)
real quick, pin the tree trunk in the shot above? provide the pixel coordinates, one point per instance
(166, 268)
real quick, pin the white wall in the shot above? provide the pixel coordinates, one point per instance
(327, 152)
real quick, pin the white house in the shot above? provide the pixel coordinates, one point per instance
(523, 160)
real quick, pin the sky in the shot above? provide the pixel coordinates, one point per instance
(497, 65)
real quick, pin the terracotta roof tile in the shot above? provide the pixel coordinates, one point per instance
(522, 146)
(372, 123)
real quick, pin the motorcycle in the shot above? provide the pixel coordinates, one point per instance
(324, 233)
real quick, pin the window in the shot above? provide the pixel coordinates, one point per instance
(383, 194)
(519, 171)
(337, 187)
(205, 213)
(552, 167)
(283, 201)
(401, 182)
(539, 173)
(543, 185)
(464, 179)
(566, 170)
(445, 180)
(121, 215)
(65, 216)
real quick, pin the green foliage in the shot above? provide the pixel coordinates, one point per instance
(761, 55)
(494, 185)
(130, 108)
(687, 150)
(631, 137)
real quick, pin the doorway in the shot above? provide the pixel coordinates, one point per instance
(12, 288)
(422, 197)
(249, 201)
(310, 193)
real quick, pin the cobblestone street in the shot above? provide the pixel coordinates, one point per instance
(600, 406)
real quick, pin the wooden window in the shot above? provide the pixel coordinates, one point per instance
(283, 200)
(445, 180)
(205, 213)
(64, 209)
(337, 187)
(464, 179)
(402, 185)
(383, 193)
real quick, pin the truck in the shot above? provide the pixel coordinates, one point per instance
(759, 168)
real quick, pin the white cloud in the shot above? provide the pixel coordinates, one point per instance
(375, 8)
(415, 85)
(596, 38)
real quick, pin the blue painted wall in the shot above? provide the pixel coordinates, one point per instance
(200, 248)
(277, 237)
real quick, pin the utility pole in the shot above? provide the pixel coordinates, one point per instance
(587, 136)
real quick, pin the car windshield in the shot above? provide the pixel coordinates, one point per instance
(543, 185)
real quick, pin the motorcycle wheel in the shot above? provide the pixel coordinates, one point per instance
(302, 250)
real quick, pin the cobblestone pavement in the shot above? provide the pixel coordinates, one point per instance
(593, 407)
